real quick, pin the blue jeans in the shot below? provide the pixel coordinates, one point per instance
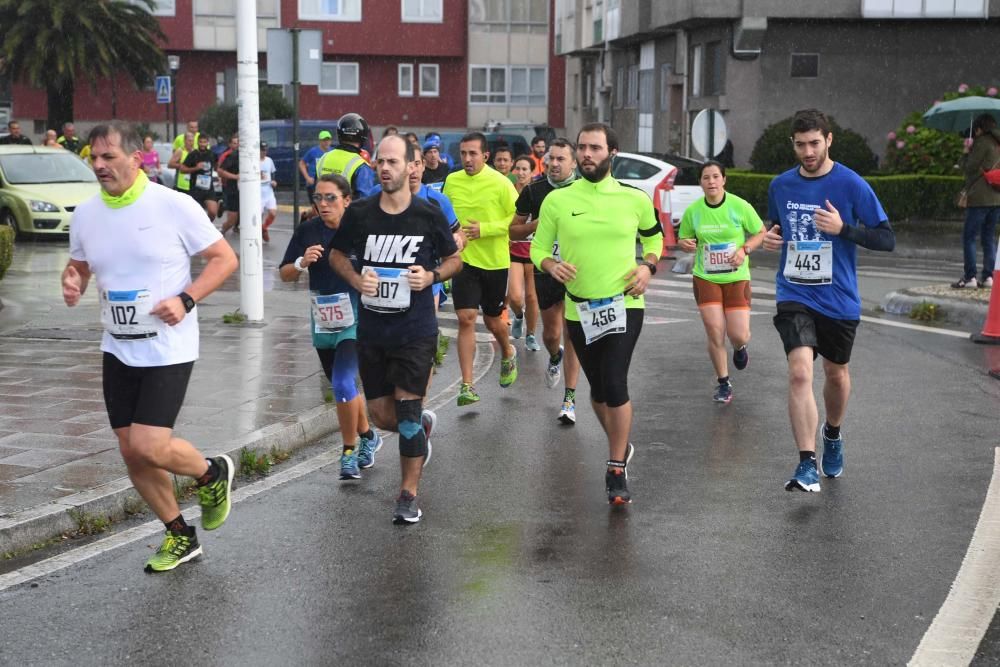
(980, 220)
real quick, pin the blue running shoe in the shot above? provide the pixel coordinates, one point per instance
(349, 465)
(367, 449)
(806, 477)
(741, 357)
(517, 327)
(723, 393)
(833, 457)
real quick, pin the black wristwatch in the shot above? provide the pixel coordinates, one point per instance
(650, 266)
(437, 277)
(187, 301)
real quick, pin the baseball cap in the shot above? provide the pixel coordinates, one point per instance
(432, 142)
(325, 135)
(263, 145)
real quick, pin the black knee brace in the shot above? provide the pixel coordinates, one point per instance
(412, 441)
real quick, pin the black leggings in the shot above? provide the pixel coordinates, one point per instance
(605, 362)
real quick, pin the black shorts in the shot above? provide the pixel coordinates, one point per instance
(480, 288)
(605, 362)
(232, 201)
(549, 290)
(516, 259)
(149, 395)
(801, 326)
(407, 366)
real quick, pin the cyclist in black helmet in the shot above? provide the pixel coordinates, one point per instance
(348, 158)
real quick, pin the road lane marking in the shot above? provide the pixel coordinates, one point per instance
(485, 355)
(915, 327)
(955, 633)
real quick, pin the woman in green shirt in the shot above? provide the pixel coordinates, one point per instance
(722, 230)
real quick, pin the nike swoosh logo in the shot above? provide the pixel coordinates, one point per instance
(574, 213)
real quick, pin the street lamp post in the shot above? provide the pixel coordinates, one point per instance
(174, 63)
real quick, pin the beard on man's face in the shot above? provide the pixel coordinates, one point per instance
(598, 172)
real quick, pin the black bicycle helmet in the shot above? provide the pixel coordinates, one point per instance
(352, 126)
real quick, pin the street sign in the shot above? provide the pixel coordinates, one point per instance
(280, 59)
(708, 133)
(163, 92)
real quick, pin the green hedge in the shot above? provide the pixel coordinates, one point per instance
(904, 197)
(6, 249)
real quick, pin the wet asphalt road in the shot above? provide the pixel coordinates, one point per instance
(520, 561)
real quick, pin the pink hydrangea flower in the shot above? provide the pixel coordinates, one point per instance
(937, 102)
(891, 136)
(900, 145)
(963, 88)
(910, 129)
(968, 142)
(992, 91)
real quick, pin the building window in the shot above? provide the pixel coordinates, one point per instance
(588, 91)
(405, 84)
(339, 79)
(422, 11)
(925, 9)
(805, 65)
(712, 84)
(487, 85)
(429, 81)
(632, 87)
(160, 7)
(330, 10)
(697, 58)
(509, 15)
(220, 87)
(619, 87)
(528, 86)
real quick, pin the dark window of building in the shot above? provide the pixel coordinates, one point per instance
(805, 65)
(632, 89)
(619, 87)
(712, 71)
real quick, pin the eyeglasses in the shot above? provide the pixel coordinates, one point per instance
(328, 198)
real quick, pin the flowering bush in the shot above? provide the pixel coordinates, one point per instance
(914, 148)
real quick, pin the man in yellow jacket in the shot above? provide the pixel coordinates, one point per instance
(484, 200)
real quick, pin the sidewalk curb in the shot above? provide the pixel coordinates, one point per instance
(953, 310)
(33, 525)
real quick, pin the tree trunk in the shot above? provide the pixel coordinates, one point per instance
(60, 102)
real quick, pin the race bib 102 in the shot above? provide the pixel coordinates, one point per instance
(125, 314)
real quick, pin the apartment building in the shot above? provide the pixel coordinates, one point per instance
(418, 64)
(648, 66)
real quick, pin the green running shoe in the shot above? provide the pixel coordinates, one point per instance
(176, 549)
(442, 350)
(508, 370)
(214, 498)
(467, 395)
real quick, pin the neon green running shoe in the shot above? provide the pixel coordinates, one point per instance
(442, 350)
(467, 395)
(214, 498)
(176, 549)
(508, 370)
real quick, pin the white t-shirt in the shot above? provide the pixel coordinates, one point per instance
(267, 170)
(144, 249)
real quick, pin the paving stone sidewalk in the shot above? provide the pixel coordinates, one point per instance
(256, 385)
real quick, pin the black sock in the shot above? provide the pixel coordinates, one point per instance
(831, 432)
(807, 456)
(179, 525)
(210, 475)
(369, 435)
(724, 380)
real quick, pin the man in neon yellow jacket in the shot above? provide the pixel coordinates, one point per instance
(484, 200)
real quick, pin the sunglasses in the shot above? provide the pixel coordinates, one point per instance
(328, 198)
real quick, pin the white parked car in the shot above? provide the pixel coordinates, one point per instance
(673, 185)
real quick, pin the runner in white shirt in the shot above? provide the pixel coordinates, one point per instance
(136, 238)
(268, 203)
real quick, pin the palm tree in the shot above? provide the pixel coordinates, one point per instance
(49, 43)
